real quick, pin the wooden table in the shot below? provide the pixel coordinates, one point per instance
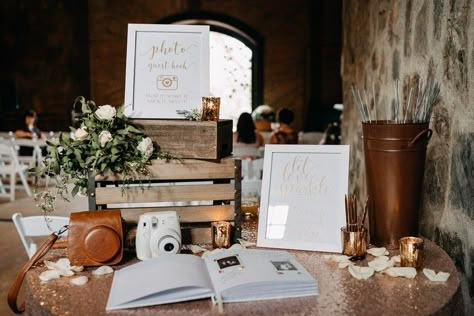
(340, 293)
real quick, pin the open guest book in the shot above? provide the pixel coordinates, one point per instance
(228, 276)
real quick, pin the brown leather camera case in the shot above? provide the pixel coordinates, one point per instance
(95, 238)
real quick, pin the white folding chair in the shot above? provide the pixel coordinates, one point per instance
(244, 152)
(257, 168)
(35, 226)
(251, 188)
(312, 138)
(10, 166)
(247, 171)
(36, 159)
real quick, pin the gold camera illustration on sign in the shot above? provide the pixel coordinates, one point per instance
(167, 82)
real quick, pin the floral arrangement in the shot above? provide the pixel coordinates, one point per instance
(104, 142)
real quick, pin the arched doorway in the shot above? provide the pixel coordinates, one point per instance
(235, 63)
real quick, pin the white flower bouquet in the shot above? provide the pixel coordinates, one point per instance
(104, 142)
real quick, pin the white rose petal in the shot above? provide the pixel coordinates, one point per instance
(60, 149)
(102, 270)
(344, 264)
(49, 275)
(105, 112)
(62, 266)
(104, 138)
(436, 277)
(80, 134)
(381, 263)
(77, 268)
(246, 243)
(361, 273)
(79, 280)
(50, 265)
(146, 147)
(65, 272)
(64, 262)
(407, 272)
(376, 252)
(342, 260)
(197, 249)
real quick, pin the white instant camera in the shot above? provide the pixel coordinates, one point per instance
(158, 233)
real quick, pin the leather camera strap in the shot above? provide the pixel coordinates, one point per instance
(15, 288)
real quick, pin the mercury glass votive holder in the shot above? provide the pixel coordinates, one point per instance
(210, 108)
(221, 234)
(411, 252)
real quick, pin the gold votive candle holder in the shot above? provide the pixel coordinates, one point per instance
(210, 108)
(354, 242)
(411, 252)
(221, 234)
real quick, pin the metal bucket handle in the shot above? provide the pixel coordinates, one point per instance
(428, 132)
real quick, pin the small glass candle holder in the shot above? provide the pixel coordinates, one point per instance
(249, 207)
(411, 252)
(221, 234)
(210, 108)
(354, 242)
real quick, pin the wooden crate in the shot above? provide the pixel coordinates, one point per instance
(190, 139)
(180, 181)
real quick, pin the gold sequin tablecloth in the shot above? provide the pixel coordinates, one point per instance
(340, 293)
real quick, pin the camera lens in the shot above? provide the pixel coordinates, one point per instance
(169, 247)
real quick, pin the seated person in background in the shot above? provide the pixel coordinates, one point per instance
(284, 134)
(246, 135)
(28, 130)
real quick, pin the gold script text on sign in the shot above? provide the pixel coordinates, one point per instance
(300, 177)
(174, 48)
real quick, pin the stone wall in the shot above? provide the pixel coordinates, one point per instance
(284, 25)
(385, 40)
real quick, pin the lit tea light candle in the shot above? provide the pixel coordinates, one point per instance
(210, 108)
(411, 252)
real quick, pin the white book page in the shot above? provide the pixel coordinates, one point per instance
(258, 269)
(176, 277)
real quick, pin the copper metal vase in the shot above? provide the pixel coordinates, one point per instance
(394, 163)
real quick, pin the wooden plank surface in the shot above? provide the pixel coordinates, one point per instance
(186, 169)
(203, 192)
(196, 235)
(190, 139)
(187, 214)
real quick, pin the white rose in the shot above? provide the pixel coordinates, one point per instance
(104, 138)
(105, 112)
(80, 134)
(146, 147)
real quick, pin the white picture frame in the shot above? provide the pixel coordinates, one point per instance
(302, 199)
(167, 69)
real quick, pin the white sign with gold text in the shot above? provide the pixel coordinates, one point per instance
(167, 69)
(302, 200)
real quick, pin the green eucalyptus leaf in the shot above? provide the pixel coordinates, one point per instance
(78, 155)
(75, 190)
(132, 129)
(85, 108)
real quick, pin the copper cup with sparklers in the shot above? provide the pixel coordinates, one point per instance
(354, 234)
